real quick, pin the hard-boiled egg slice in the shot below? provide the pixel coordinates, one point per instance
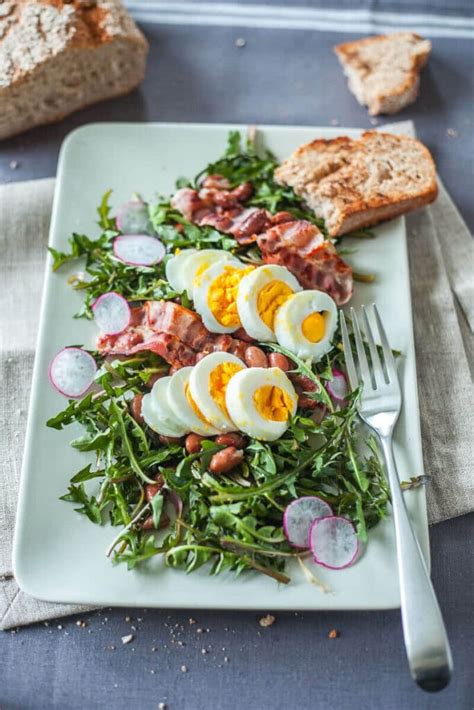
(208, 384)
(158, 414)
(176, 270)
(183, 405)
(260, 401)
(261, 293)
(305, 324)
(198, 264)
(215, 296)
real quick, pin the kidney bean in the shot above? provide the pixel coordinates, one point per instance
(152, 489)
(279, 360)
(306, 402)
(167, 440)
(303, 382)
(148, 522)
(192, 443)
(136, 407)
(242, 334)
(231, 439)
(255, 357)
(226, 460)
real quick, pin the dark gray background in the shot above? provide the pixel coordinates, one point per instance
(198, 74)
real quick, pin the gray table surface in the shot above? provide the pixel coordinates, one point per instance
(291, 77)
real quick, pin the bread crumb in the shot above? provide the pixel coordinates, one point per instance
(240, 42)
(127, 638)
(334, 122)
(374, 121)
(81, 624)
(184, 669)
(14, 164)
(452, 133)
(334, 634)
(192, 621)
(267, 620)
(161, 706)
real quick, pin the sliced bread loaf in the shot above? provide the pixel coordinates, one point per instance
(58, 56)
(358, 183)
(384, 71)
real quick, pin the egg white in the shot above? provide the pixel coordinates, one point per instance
(200, 388)
(179, 404)
(176, 269)
(201, 295)
(241, 406)
(157, 413)
(198, 265)
(248, 293)
(289, 319)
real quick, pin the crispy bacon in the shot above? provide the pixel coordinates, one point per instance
(301, 247)
(173, 332)
(296, 244)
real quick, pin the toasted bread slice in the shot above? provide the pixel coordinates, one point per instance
(384, 71)
(357, 183)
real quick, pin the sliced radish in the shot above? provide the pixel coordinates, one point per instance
(112, 313)
(300, 515)
(133, 218)
(333, 542)
(72, 372)
(139, 249)
(337, 387)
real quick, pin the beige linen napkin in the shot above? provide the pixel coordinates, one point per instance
(441, 272)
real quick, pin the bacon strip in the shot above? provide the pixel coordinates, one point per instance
(301, 247)
(296, 244)
(173, 332)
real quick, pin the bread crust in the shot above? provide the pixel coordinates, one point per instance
(79, 58)
(393, 98)
(338, 179)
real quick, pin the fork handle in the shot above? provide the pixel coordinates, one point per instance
(426, 641)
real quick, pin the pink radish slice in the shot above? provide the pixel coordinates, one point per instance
(333, 542)
(111, 313)
(132, 218)
(72, 372)
(300, 515)
(337, 387)
(139, 249)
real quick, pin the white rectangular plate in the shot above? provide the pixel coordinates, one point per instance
(58, 554)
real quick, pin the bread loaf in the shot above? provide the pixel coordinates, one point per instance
(58, 56)
(384, 71)
(357, 183)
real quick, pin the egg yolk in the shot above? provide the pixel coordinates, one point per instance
(272, 403)
(218, 381)
(314, 327)
(222, 295)
(270, 298)
(193, 405)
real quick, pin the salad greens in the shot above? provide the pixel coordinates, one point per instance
(232, 521)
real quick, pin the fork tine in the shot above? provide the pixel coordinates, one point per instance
(363, 364)
(376, 364)
(351, 368)
(390, 365)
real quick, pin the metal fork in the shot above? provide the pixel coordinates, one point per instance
(426, 642)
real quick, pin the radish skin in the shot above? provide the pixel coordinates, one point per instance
(333, 542)
(112, 313)
(298, 517)
(337, 387)
(72, 372)
(139, 249)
